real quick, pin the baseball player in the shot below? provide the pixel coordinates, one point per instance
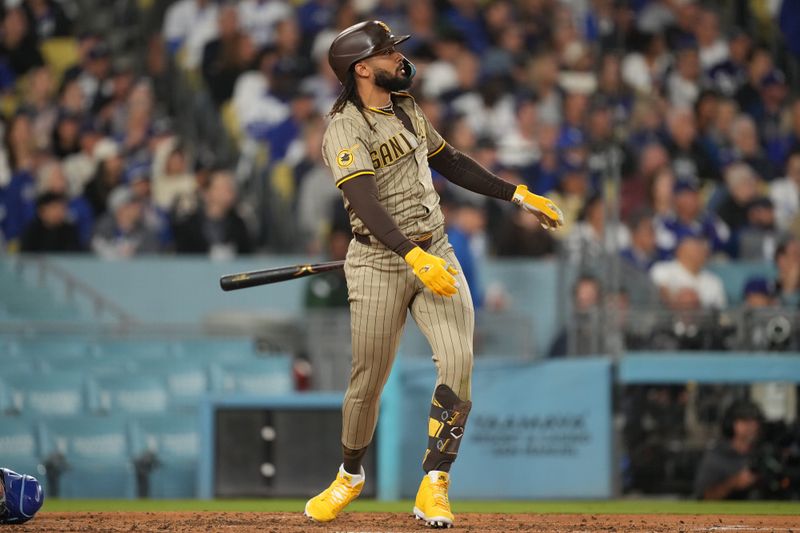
(380, 148)
(21, 497)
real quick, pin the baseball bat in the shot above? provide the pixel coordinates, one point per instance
(242, 280)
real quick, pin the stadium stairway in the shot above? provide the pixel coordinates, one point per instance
(22, 300)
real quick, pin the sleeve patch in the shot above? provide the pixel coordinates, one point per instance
(345, 158)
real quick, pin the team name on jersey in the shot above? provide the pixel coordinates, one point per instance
(392, 150)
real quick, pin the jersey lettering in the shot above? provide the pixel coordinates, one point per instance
(390, 151)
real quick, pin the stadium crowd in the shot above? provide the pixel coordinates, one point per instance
(680, 112)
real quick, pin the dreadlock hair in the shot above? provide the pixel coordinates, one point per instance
(350, 94)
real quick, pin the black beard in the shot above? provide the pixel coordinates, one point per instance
(384, 80)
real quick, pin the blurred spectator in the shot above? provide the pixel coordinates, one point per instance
(758, 240)
(586, 298)
(188, 26)
(758, 66)
(644, 67)
(172, 178)
(646, 123)
(465, 17)
(38, 104)
(791, 143)
(319, 16)
(741, 189)
(519, 236)
(107, 175)
(593, 236)
(711, 111)
(227, 56)
(518, 147)
(642, 253)
(730, 74)
(686, 152)
(259, 18)
(181, 17)
(725, 471)
(329, 289)
(66, 135)
(466, 222)
(279, 137)
(137, 178)
(51, 179)
(441, 75)
(214, 228)
(18, 43)
(768, 114)
(785, 194)
(787, 263)
(316, 200)
(687, 271)
(51, 231)
(123, 232)
(19, 193)
(650, 183)
(256, 106)
(746, 147)
(291, 64)
(712, 47)
(683, 84)
(573, 190)
(93, 74)
(757, 293)
(80, 166)
(689, 219)
(47, 18)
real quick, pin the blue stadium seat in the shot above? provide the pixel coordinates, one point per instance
(135, 347)
(50, 394)
(131, 394)
(174, 442)
(19, 448)
(52, 344)
(186, 380)
(96, 457)
(22, 366)
(216, 349)
(92, 366)
(270, 375)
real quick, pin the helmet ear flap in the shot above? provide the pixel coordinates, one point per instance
(409, 69)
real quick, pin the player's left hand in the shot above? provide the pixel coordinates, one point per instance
(548, 213)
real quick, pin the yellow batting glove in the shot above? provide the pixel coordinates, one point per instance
(433, 271)
(548, 213)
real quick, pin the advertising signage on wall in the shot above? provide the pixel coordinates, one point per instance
(540, 430)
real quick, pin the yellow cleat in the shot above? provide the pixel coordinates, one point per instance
(432, 504)
(327, 505)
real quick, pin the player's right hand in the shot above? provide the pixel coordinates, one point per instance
(433, 271)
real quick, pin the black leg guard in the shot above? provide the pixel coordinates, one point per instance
(445, 429)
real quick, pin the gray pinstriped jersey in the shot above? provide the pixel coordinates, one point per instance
(395, 156)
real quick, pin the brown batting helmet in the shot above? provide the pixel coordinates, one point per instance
(358, 42)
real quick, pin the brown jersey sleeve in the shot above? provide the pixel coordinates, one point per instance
(464, 171)
(345, 148)
(362, 194)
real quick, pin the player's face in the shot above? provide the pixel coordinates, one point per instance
(389, 70)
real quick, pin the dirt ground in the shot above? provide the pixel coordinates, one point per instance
(397, 523)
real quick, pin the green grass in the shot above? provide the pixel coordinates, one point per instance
(566, 507)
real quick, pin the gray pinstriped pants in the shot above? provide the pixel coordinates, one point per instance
(382, 288)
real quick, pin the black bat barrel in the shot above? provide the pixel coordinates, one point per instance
(244, 280)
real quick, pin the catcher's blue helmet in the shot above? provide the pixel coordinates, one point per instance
(22, 497)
